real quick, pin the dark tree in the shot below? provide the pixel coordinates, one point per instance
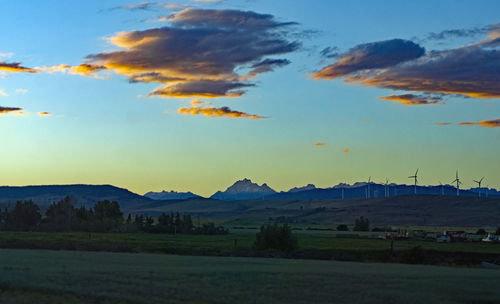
(25, 216)
(61, 216)
(362, 224)
(342, 227)
(108, 215)
(275, 237)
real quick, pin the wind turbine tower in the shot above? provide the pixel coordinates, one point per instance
(457, 180)
(442, 188)
(479, 185)
(415, 178)
(386, 193)
(368, 187)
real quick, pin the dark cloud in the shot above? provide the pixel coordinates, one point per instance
(413, 100)
(14, 67)
(5, 110)
(469, 71)
(204, 88)
(198, 50)
(267, 65)
(217, 112)
(460, 33)
(330, 52)
(371, 56)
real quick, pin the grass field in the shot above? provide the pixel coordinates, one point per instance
(29, 276)
(167, 243)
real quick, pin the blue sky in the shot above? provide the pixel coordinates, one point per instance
(102, 129)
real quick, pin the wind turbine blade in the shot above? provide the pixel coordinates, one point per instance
(416, 172)
(481, 179)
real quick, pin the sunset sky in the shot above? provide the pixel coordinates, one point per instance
(194, 95)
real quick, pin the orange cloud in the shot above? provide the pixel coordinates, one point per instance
(442, 123)
(346, 150)
(217, 112)
(83, 69)
(15, 67)
(493, 123)
(6, 110)
(320, 144)
(44, 114)
(412, 100)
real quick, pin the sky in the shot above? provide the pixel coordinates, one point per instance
(194, 95)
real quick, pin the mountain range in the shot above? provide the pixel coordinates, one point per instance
(170, 195)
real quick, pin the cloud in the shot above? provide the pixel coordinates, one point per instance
(6, 110)
(330, 52)
(442, 123)
(196, 102)
(267, 65)
(6, 55)
(413, 100)
(469, 71)
(320, 144)
(200, 51)
(83, 69)
(346, 150)
(493, 123)
(205, 88)
(3, 93)
(22, 91)
(14, 67)
(369, 56)
(217, 112)
(45, 114)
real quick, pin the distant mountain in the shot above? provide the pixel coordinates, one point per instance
(86, 195)
(243, 190)
(170, 195)
(304, 188)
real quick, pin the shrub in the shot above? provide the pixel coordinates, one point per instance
(362, 224)
(481, 231)
(342, 227)
(275, 237)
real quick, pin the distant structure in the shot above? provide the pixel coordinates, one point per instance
(457, 180)
(442, 188)
(415, 178)
(479, 185)
(368, 187)
(386, 193)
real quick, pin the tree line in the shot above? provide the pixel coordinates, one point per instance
(104, 216)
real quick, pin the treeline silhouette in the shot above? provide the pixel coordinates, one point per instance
(104, 216)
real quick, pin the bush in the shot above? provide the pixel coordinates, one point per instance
(362, 224)
(481, 231)
(275, 237)
(342, 227)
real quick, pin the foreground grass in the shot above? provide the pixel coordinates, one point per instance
(43, 276)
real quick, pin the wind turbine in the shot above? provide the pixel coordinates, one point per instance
(442, 188)
(415, 177)
(386, 193)
(479, 184)
(369, 182)
(458, 184)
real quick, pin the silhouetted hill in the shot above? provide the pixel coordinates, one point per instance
(170, 195)
(373, 190)
(86, 195)
(427, 210)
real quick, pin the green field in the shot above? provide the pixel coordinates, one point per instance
(29, 276)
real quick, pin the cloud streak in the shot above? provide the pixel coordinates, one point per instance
(413, 100)
(217, 112)
(493, 123)
(15, 67)
(6, 110)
